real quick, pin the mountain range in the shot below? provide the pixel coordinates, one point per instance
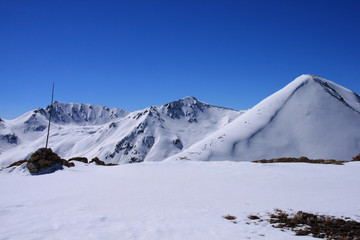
(113, 135)
(311, 117)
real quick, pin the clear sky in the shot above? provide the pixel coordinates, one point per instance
(133, 54)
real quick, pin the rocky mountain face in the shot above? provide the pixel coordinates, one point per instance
(113, 135)
(158, 132)
(80, 114)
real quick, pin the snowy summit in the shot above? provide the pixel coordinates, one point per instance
(310, 117)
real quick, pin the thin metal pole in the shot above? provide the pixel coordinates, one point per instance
(51, 108)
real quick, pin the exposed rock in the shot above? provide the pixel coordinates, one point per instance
(97, 161)
(301, 160)
(80, 159)
(18, 163)
(44, 160)
(177, 142)
(317, 226)
(10, 138)
(356, 158)
(112, 125)
(135, 160)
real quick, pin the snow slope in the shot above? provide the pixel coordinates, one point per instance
(310, 117)
(171, 200)
(113, 135)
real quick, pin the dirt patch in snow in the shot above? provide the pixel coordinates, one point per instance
(301, 160)
(97, 161)
(318, 226)
(356, 158)
(80, 159)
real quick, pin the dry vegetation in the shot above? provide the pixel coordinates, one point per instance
(319, 226)
(18, 163)
(229, 217)
(301, 160)
(356, 158)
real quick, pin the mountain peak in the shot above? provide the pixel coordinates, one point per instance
(80, 113)
(311, 117)
(188, 106)
(344, 95)
(189, 99)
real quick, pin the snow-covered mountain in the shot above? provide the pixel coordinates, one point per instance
(113, 135)
(310, 117)
(81, 114)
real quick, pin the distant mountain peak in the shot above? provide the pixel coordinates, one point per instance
(80, 113)
(188, 107)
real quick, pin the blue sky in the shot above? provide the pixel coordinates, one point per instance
(133, 54)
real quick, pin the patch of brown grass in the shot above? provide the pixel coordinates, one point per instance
(229, 217)
(102, 163)
(18, 163)
(356, 158)
(253, 217)
(318, 226)
(301, 160)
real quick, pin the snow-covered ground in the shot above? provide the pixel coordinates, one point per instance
(171, 199)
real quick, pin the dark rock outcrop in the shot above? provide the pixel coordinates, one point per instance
(301, 160)
(18, 163)
(80, 159)
(44, 160)
(356, 158)
(97, 161)
(10, 138)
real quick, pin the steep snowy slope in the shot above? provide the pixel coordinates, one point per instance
(310, 117)
(159, 132)
(113, 135)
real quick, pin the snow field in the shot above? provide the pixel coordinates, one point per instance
(171, 200)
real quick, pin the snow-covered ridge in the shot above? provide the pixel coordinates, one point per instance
(161, 131)
(346, 96)
(114, 135)
(82, 114)
(310, 117)
(188, 107)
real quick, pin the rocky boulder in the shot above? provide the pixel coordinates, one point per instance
(80, 159)
(18, 163)
(44, 160)
(97, 161)
(356, 158)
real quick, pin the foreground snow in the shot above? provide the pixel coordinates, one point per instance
(171, 200)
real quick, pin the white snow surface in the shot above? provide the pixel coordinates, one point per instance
(311, 117)
(113, 135)
(171, 200)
